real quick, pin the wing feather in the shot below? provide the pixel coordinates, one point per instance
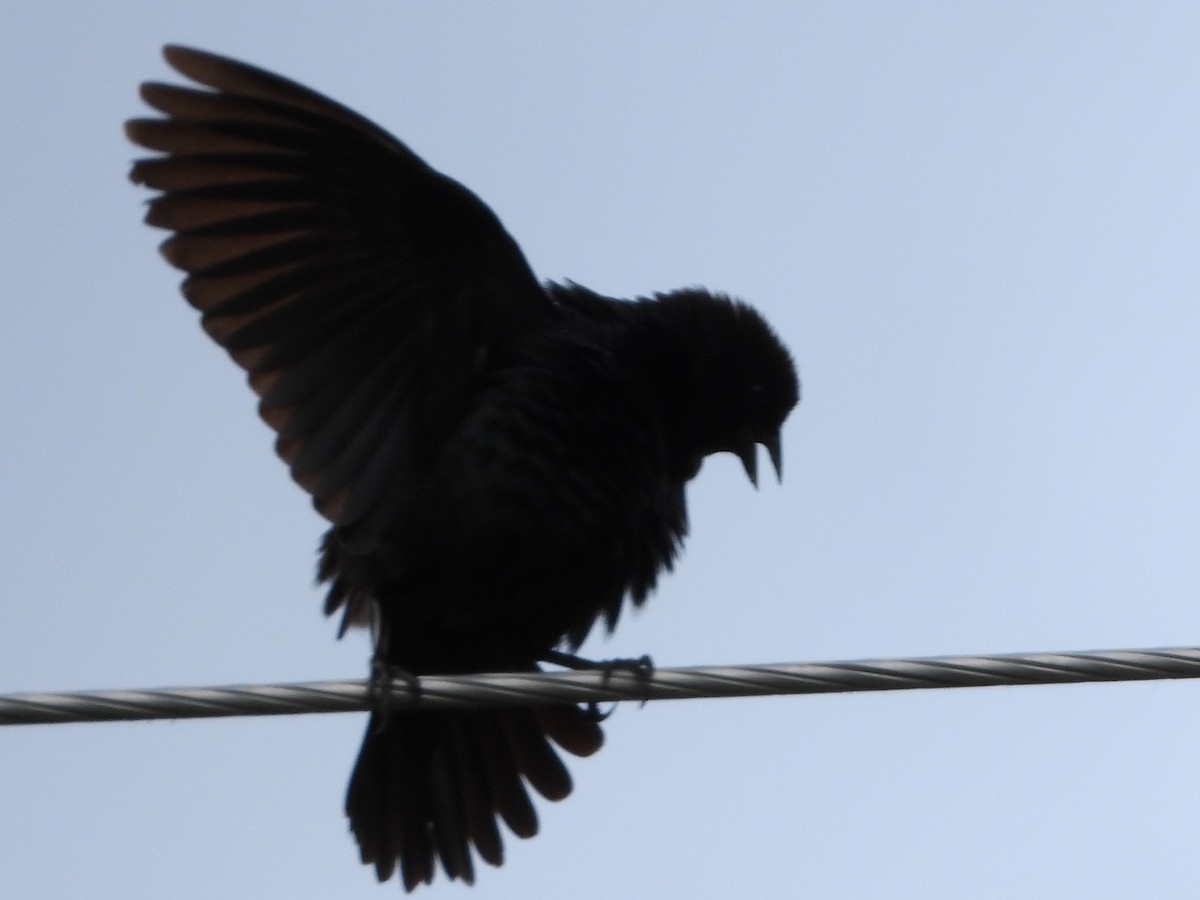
(364, 293)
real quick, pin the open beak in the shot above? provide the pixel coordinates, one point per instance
(774, 445)
(747, 452)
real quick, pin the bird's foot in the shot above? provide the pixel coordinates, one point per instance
(379, 688)
(641, 668)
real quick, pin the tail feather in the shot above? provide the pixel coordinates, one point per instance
(480, 819)
(447, 813)
(576, 731)
(535, 758)
(508, 792)
(430, 786)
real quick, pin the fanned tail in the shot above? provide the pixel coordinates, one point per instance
(432, 786)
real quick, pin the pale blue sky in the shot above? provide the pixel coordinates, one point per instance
(975, 224)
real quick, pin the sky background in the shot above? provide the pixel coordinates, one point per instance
(976, 227)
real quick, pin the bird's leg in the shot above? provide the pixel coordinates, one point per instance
(383, 675)
(641, 668)
(379, 688)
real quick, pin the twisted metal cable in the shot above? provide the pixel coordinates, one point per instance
(615, 683)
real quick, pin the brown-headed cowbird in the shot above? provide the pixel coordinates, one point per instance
(502, 462)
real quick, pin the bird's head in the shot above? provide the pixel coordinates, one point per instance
(738, 383)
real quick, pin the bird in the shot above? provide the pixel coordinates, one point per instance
(501, 462)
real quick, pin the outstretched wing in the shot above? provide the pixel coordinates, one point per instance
(366, 294)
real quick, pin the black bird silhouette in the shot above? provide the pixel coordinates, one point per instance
(502, 462)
